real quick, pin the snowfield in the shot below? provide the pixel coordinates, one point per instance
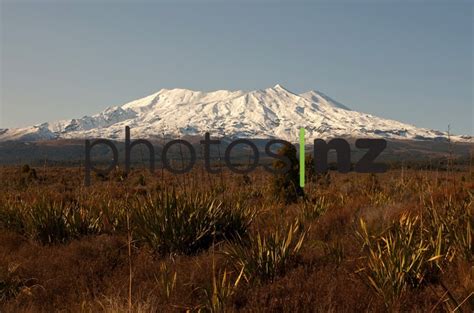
(269, 113)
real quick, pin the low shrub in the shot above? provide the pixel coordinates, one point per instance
(187, 223)
(265, 256)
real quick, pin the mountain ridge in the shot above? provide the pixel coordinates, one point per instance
(274, 112)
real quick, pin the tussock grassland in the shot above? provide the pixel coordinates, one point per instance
(394, 242)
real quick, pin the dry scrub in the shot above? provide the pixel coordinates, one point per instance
(399, 241)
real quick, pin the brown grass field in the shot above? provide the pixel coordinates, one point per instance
(394, 242)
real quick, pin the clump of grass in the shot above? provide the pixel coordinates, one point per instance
(414, 250)
(11, 284)
(187, 223)
(166, 280)
(312, 209)
(83, 221)
(58, 222)
(397, 259)
(11, 216)
(453, 221)
(265, 256)
(47, 222)
(379, 198)
(50, 221)
(335, 252)
(221, 291)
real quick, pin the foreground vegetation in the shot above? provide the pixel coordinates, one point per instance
(399, 242)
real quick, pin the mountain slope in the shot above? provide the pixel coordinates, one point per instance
(273, 112)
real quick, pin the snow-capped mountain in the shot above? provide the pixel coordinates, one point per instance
(269, 113)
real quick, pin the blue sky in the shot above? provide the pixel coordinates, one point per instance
(408, 61)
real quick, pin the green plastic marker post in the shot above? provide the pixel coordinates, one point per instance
(302, 157)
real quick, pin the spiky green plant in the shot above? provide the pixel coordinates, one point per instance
(84, 221)
(51, 221)
(187, 223)
(452, 221)
(310, 210)
(47, 222)
(379, 197)
(265, 256)
(398, 258)
(166, 280)
(222, 289)
(12, 215)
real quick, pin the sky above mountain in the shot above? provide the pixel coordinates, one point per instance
(405, 61)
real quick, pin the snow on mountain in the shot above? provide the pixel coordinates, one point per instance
(269, 113)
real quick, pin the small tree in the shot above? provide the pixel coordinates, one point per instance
(286, 186)
(28, 173)
(321, 179)
(25, 168)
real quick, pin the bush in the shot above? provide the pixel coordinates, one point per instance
(11, 216)
(454, 221)
(222, 289)
(264, 257)
(286, 186)
(50, 222)
(25, 169)
(413, 252)
(187, 224)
